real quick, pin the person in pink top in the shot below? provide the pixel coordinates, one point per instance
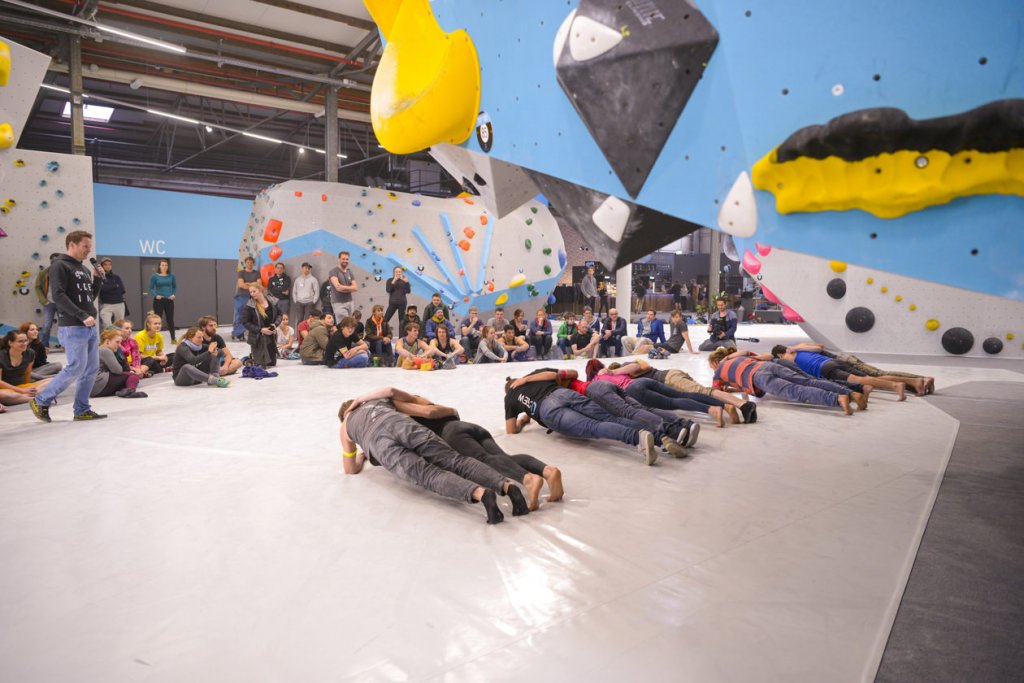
(654, 394)
(130, 348)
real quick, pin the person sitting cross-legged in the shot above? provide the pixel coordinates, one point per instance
(193, 361)
(540, 334)
(151, 345)
(412, 351)
(585, 342)
(16, 358)
(472, 329)
(345, 349)
(564, 335)
(285, 337)
(447, 350)
(41, 367)
(115, 377)
(378, 336)
(311, 351)
(491, 350)
(612, 332)
(516, 346)
(223, 363)
(130, 349)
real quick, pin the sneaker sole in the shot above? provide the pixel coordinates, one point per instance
(692, 438)
(673, 448)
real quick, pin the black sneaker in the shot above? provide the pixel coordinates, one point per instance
(749, 412)
(89, 415)
(41, 412)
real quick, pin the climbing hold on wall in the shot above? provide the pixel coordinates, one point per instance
(420, 267)
(529, 221)
(899, 298)
(5, 63)
(884, 290)
(44, 238)
(369, 212)
(6, 135)
(837, 266)
(932, 324)
(791, 315)
(19, 162)
(551, 299)
(871, 280)
(1009, 336)
(42, 183)
(76, 221)
(750, 263)
(2, 233)
(35, 255)
(266, 270)
(323, 198)
(469, 232)
(59, 194)
(53, 166)
(738, 212)
(501, 299)
(957, 340)
(562, 258)
(355, 226)
(273, 230)
(468, 200)
(416, 202)
(483, 220)
(762, 249)
(836, 288)
(298, 193)
(44, 204)
(546, 251)
(517, 281)
(529, 244)
(275, 252)
(992, 345)
(768, 294)
(912, 307)
(860, 319)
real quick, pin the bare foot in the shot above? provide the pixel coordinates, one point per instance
(533, 484)
(718, 415)
(901, 391)
(844, 403)
(734, 415)
(861, 399)
(554, 479)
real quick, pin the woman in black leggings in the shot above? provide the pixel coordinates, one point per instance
(474, 441)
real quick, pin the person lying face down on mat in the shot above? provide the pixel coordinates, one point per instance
(815, 361)
(412, 452)
(474, 441)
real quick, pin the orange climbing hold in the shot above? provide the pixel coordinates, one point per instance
(465, 298)
(298, 193)
(273, 230)
(323, 198)
(465, 245)
(275, 252)
(483, 220)
(467, 200)
(265, 272)
(469, 232)
(490, 286)
(462, 272)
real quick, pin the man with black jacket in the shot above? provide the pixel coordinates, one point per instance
(111, 296)
(73, 288)
(279, 285)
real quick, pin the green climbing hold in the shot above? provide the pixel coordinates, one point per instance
(529, 221)
(529, 244)
(533, 208)
(547, 270)
(547, 251)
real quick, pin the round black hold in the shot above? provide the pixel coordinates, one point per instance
(836, 288)
(992, 345)
(860, 319)
(957, 340)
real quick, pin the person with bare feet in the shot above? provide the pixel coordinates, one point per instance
(738, 409)
(742, 371)
(812, 359)
(412, 452)
(474, 441)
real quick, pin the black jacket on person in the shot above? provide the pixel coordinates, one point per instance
(112, 289)
(73, 288)
(397, 292)
(277, 285)
(254, 321)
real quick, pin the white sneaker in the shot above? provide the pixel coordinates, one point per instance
(688, 435)
(646, 447)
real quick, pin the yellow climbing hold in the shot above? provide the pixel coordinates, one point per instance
(871, 280)
(501, 299)
(5, 63)
(913, 307)
(884, 290)
(837, 266)
(6, 135)
(932, 324)
(899, 298)
(1009, 336)
(427, 86)
(517, 281)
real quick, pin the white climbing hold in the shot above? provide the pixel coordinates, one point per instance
(561, 36)
(589, 39)
(738, 215)
(611, 217)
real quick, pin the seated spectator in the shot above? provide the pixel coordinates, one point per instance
(722, 326)
(649, 331)
(491, 350)
(566, 331)
(259, 318)
(16, 385)
(679, 334)
(472, 332)
(541, 334)
(130, 349)
(311, 351)
(223, 363)
(378, 336)
(115, 376)
(41, 369)
(515, 345)
(302, 329)
(345, 349)
(498, 322)
(439, 320)
(411, 316)
(518, 323)
(151, 345)
(612, 332)
(285, 337)
(413, 351)
(447, 349)
(193, 360)
(360, 327)
(585, 342)
(434, 306)
(592, 322)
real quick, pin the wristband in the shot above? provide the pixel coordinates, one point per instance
(348, 455)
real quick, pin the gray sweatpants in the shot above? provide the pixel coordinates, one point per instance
(412, 452)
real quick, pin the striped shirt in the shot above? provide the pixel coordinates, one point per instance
(739, 372)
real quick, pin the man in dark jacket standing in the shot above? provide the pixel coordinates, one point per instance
(112, 291)
(280, 286)
(73, 288)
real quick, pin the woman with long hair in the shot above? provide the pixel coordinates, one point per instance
(130, 348)
(40, 368)
(260, 318)
(162, 287)
(16, 385)
(193, 360)
(114, 377)
(151, 345)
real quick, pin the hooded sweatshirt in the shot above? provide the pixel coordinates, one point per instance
(73, 288)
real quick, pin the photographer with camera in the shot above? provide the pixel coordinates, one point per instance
(721, 326)
(260, 317)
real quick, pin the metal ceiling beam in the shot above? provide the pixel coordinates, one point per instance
(348, 19)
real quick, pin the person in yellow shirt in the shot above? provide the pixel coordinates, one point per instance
(151, 345)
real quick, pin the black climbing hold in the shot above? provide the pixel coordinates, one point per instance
(992, 345)
(836, 288)
(860, 319)
(672, 50)
(957, 340)
(479, 180)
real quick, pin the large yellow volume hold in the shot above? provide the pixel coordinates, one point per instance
(5, 63)
(427, 87)
(6, 135)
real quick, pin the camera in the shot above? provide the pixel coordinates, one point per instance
(271, 327)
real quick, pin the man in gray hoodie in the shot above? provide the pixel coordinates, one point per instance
(73, 287)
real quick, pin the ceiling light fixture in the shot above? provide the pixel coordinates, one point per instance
(261, 137)
(173, 116)
(209, 129)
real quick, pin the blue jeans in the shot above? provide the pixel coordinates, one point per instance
(49, 317)
(82, 345)
(780, 381)
(360, 360)
(572, 414)
(605, 346)
(654, 394)
(237, 329)
(615, 401)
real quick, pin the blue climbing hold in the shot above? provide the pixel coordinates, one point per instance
(561, 258)
(416, 202)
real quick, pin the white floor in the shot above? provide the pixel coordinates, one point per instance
(209, 535)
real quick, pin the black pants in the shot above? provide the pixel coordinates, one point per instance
(154, 365)
(542, 343)
(474, 441)
(392, 309)
(165, 309)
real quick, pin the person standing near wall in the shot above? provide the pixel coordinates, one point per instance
(280, 285)
(245, 277)
(112, 292)
(398, 290)
(162, 287)
(49, 308)
(305, 290)
(343, 283)
(589, 288)
(73, 288)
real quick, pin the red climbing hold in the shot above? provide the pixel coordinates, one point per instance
(490, 286)
(275, 252)
(272, 231)
(265, 272)
(297, 193)
(323, 198)
(467, 200)
(483, 220)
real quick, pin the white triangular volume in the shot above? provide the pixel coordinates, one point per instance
(561, 36)
(589, 39)
(738, 215)
(611, 217)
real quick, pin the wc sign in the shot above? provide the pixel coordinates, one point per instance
(153, 247)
